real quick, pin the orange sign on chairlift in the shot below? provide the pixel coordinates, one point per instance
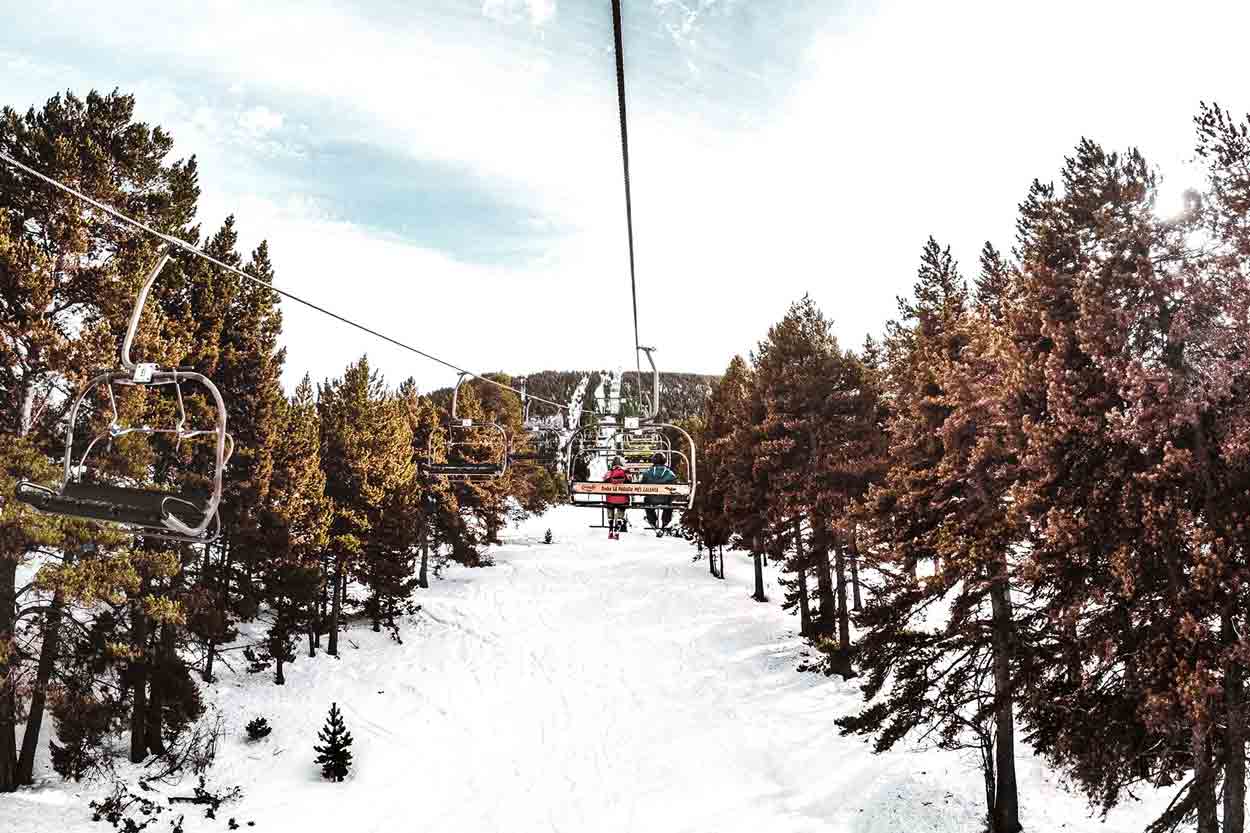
(631, 488)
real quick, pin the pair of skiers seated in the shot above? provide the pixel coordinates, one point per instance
(659, 512)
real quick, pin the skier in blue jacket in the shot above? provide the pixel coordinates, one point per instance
(661, 474)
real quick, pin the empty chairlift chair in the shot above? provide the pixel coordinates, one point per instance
(543, 443)
(187, 517)
(465, 434)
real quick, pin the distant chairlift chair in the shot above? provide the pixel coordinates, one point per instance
(544, 442)
(185, 517)
(462, 433)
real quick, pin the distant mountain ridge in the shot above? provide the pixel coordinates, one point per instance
(681, 394)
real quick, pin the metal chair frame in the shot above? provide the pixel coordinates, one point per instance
(146, 512)
(467, 471)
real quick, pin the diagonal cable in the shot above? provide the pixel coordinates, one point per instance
(187, 247)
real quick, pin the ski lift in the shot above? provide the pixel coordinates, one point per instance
(635, 433)
(544, 442)
(638, 449)
(187, 517)
(465, 433)
(594, 494)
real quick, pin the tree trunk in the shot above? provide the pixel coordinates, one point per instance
(8, 673)
(423, 576)
(711, 559)
(1006, 801)
(853, 548)
(1234, 737)
(139, 679)
(39, 696)
(805, 613)
(844, 619)
(166, 654)
(336, 604)
(154, 728)
(50, 643)
(987, 772)
(210, 645)
(828, 610)
(223, 593)
(319, 605)
(1204, 785)
(280, 657)
(758, 595)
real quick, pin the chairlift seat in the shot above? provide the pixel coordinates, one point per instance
(535, 456)
(147, 508)
(465, 469)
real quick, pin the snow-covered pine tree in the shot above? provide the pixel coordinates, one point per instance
(334, 754)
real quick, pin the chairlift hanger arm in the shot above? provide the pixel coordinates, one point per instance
(655, 383)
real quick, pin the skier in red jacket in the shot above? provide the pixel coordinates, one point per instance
(616, 503)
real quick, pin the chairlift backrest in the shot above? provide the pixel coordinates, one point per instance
(183, 517)
(459, 435)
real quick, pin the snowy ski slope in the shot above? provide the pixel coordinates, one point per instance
(589, 686)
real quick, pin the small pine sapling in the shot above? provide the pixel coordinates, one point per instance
(334, 755)
(547, 539)
(258, 728)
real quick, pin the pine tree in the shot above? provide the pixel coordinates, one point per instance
(67, 277)
(366, 450)
(334, 754)
(818, 422)
(389, 573)
(1129, 384)
(297, 515)
(942, 502)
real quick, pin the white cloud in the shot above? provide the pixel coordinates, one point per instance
(910, 119)
(538, 12)
(258, 121)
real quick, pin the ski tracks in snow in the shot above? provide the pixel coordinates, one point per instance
(588, 686)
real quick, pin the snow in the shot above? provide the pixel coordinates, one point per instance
(587, 685)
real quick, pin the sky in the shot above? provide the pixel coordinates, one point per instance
(449, 172)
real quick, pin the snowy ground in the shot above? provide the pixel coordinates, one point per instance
(584, 687)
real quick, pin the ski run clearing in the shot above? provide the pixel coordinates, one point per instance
(585, 686)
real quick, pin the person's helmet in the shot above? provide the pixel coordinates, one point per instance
(657, 459)
(618, 463)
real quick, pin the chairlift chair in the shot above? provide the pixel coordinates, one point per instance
(187, 517)
(636, 432)
(545, 442)
(594, 494)
(463, 433)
